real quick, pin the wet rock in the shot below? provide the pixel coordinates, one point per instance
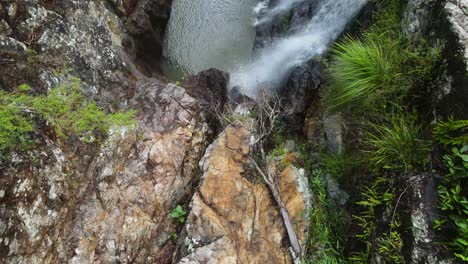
(266, 32)
(240, 222)
(303, 13)
(302, 86)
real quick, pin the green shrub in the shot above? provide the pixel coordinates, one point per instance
(396, 142)
(452, 132)
(16, 126)
(453, 199)
(343, 165)
(65, 108)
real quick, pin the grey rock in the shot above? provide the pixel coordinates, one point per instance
(5, 28)
(335, 192)
(458, 17)
(11, 46)
(424, 209)
(417, 18)
(334, 131)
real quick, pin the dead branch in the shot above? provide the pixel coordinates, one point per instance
(266, 112)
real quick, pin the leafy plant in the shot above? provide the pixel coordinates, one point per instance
(372, 198)
(178, 213)
(390, 244)
(452, 132)
(453, 199)
(395, 142)
(328, 225)
(286, 21)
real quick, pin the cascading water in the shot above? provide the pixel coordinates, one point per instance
(273, 63)
(268, 14)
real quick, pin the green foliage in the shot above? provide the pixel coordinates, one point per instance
(452, 132)
(365, 72)
(453, 199)
(372, 198)
(395, 142)
(343, 164)
(16, 125)
(31, 56)
(390, 244)
(65, 108)
(178, 213)
(286, 22)
(328, 225)
(174, 237)
(379, 67)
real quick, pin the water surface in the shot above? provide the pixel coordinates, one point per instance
(204, 34)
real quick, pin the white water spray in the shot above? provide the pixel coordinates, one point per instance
(268, 14)
(274, 63)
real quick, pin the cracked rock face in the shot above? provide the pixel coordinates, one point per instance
(234, 220)
(101, 42)
(112, 207)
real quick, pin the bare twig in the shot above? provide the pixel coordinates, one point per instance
(267, 111)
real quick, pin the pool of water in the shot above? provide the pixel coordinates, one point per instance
(204, 34)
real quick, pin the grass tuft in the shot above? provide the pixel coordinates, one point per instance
(364, 72)
(396, 142)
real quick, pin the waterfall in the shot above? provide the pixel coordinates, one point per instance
(273, 63)
(268, 14)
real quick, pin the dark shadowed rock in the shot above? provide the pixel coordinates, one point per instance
(443, 23)
(302, 86)
(303, 13)
(423, 201)
(208, 86)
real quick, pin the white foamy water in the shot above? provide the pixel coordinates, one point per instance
(282, 7)
(274, 63)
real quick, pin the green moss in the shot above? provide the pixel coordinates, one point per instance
(65, 108)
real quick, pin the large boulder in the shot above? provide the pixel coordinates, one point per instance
(234, 218)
